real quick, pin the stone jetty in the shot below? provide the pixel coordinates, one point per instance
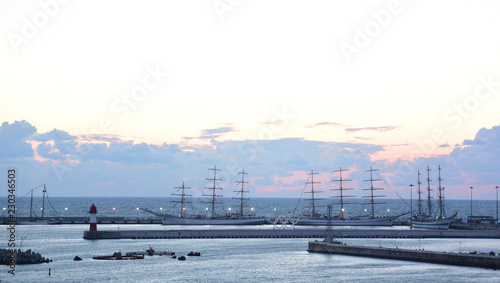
(286, 233)
(22, 257)
(461, 259)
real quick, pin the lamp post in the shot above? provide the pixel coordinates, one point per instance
(411, 206)
(497, 201)
(471, 201)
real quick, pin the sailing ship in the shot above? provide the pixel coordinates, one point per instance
(182, 218)
(425, 219)
(34, 220)
(315, 219)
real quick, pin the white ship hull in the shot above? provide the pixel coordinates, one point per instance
(384, 221)
(441, 224)
(172, 220)
(39, 222)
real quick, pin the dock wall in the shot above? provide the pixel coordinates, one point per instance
(485, 261)
(85, 220)
(286, 233)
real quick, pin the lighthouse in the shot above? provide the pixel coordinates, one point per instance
(93, 218)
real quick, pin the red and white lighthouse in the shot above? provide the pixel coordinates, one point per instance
(93, 218)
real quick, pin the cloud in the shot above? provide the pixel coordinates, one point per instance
(54, 135)
(277, 166)
(216, 132)
(476, 164)
(352, 129)
(376, 129)
(327, 124)
(363, 138)
(13, 139)
(444, 145)
(477, 141)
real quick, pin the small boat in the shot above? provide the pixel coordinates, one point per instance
(150, 252)
(118, 256)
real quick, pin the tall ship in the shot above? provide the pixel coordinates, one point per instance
(238, 218)
(425, 218)
(315, 219)
(33, 218)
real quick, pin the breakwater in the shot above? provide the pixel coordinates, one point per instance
(462, 259)
(286, 233)
(7, 257)
(85, 220)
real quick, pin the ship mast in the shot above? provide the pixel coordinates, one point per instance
(441, 195)
(313, 199)
(213, 188)
(419, 195)
(372, 196)
(183, 201)
(31, 204)
(429, 203)
(341, 189)
(241, 191)
(43, 199)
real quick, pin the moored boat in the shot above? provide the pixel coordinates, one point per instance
(118, 256)
(425, 220)
(228, 219)
(339, 220)
(438, 224)
(34, 220)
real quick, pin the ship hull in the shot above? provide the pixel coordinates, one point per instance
(440, 225)
(39, 222)
(171, 220)
(386, 221)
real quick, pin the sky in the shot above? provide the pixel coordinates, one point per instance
(132, 98)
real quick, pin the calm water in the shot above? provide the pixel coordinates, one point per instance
(229, 260)
(127, 207)
(232, 260)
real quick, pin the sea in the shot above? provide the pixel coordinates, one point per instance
(229, 260)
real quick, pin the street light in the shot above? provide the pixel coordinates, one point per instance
(471, 202)
(497, 201)
(411, 206)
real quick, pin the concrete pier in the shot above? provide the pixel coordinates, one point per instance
(85, 220)
(286, 233)
(475, 260)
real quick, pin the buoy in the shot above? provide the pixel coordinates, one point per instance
(77, 258)
(93, 218)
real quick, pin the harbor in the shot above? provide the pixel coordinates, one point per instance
(460, 259)
(287, 233)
